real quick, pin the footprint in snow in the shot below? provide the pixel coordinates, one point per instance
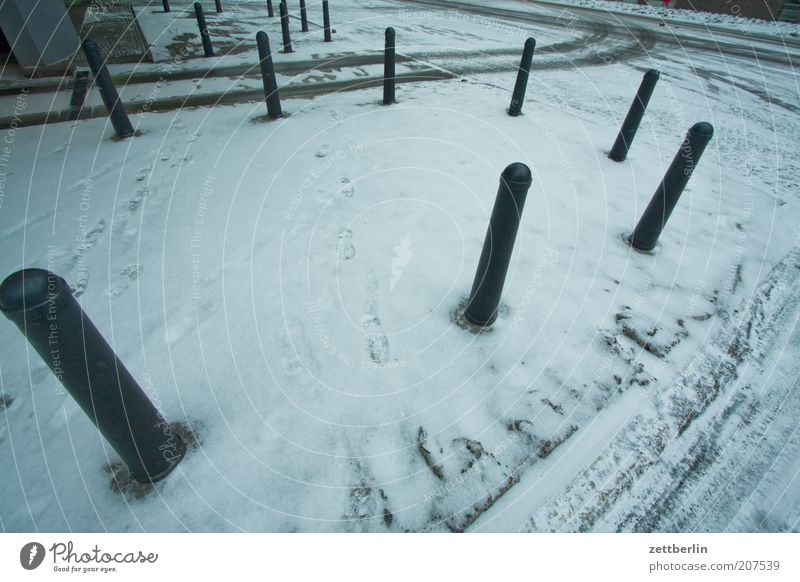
(347, 189)
(142, 175)
(346, 249)
(114, 291)
(87, 243)
(79, 285)
(377, 342)
(323, 151)
(132, 272)
(135, 201)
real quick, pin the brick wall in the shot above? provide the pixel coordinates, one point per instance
(765, 9)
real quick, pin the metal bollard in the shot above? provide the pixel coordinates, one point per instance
(303, 16)
(218, 5)
(518, 97)
(208, 50)
(268, 76)
(630, 126)
(326, 21)
(388, 68)
(165, 3)
(498, 245)
(78, 98)
(658, 211)
(116, 109)
(41, 305)
(287, 41)
(270, 11)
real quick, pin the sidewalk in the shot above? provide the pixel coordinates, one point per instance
(156, 58)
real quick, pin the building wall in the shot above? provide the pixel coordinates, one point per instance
(40, 33)
(764, 9)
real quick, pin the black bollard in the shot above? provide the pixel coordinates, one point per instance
(218, 4)
(268, 76)
(658, 211)
(208, 50)
(79, 90)
(518, 97)
(388, 68)
(165, 3)
(287, 41)
(303, 16)
(498, 245)
(631, 124)
(270, 11)
(326, 20)
(41, 305)
(116, 109)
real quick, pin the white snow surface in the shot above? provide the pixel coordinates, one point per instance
(288, 289)
(656, 10)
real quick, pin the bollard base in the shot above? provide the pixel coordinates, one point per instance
(459, 317)
(615, 157)
(181, 453)
(464, 323)
(628, 239)
(258, 119)
(136, 133)
(477, 323)
(124, 483)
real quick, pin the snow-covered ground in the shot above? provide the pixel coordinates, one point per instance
(656, 10)
(288, 290)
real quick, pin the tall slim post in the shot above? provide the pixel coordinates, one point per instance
(79, 90)
(518, 97)
(303, 16)
(498, 245)
(326, 21)
(208, 50)
(41, 305)
(388, 68)
(165, 4)
(116, 109)
(287, 41)
(270, 11)
(631, 124)
(218, 5)
(268, 76)
(658, 211)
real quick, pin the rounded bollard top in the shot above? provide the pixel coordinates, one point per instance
(89, 43)
(517, 173)
(35, 292)
(530, 42)
(653, 73)
(702, 129)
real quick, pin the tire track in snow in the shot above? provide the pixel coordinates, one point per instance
(659, 459)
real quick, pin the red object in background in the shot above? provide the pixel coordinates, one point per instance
(665, 3)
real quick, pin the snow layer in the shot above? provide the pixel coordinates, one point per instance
(289, 290)
(656, 10)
